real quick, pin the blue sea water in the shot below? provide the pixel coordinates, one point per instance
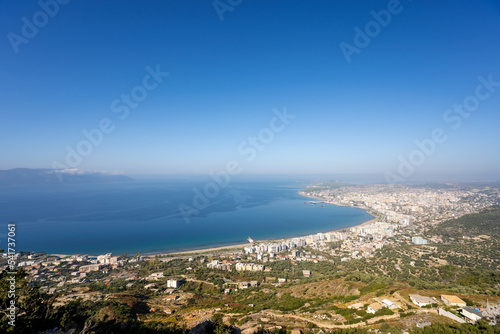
(143, 216)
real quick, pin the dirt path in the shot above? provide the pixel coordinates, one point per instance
(328, 325)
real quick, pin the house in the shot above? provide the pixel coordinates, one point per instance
(281, 280)
(422, 301)
(270, 279)
(355, 305)
(306, 273)
(77, 280)
(374, 307)
(171, 298)
(451, 300)
(226, 291)
(472, 314)
(154, 276)
(254, 283)
(169, 311)
(389, 304)
(243, 285)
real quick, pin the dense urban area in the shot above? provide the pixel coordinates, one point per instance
(429, 262)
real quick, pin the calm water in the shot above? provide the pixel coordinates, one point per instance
(143, 216)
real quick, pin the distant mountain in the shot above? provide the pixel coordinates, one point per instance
(27, 176)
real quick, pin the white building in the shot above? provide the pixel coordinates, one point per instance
(418, 241)
(389, 304)
(422, 301)
(173, 283)
(472, 314)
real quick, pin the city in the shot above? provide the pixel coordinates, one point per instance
(404, 218)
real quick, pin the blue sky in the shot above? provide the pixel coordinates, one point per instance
(225, 78)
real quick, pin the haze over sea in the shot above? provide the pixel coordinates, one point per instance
(143, 216)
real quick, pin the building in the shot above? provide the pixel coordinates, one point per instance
(90, 267)
(306, 273)
(372, 308)
(171, 298)
(451, 300)
(389, 304)
(355, 305)
(154, 276)
(472, 314)
(419, 241)
(173, 283)
(422, 301)
(107, 259)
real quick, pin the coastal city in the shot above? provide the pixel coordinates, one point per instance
(250, 167)
(404, 218)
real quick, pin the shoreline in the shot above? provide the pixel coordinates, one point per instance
(238, 246)
(242, 245)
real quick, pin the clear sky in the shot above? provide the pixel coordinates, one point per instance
(360, 100)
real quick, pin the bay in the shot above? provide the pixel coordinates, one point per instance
(144, 215)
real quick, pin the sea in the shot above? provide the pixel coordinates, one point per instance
(156, 215)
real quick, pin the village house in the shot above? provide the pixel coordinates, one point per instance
(389, 304)
(451, 300)
(374, 307)
(171, 298)
(154, 276)
(422, 301)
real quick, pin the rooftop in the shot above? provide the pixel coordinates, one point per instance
(453, 299)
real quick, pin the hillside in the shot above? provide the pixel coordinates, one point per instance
(486, 223)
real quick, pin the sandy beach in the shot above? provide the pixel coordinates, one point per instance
(207, 250)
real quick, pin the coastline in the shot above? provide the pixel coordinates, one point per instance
(229, 247)
(238, 246)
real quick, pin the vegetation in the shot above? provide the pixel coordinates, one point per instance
(463, 266)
